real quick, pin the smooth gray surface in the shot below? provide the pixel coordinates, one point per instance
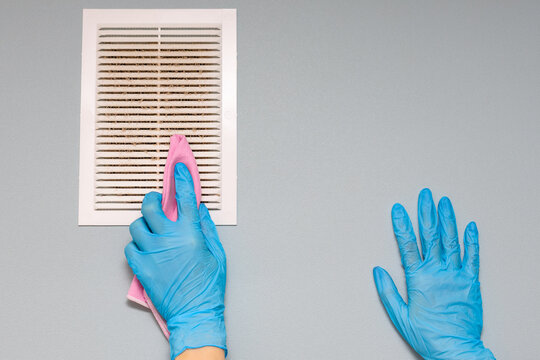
(344, 108)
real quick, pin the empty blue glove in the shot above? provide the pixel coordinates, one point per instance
(182, 267)
(442, 319)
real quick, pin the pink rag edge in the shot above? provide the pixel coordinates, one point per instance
(179, 152)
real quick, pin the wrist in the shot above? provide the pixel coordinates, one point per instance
(196, 331)
(204, 353)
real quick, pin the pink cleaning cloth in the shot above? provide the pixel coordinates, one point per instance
(179, 152)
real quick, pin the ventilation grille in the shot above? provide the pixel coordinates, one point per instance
(153, 82)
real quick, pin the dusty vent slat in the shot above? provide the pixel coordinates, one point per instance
(153, 82)
(152, 147)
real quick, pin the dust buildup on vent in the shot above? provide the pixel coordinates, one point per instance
(153, 82)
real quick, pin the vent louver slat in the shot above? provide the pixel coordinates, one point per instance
(153, 82)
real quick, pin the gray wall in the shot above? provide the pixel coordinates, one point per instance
(344, 108)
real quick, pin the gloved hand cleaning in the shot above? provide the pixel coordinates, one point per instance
(442, 319)
(182, 267)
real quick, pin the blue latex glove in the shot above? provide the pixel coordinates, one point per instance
(182, 267)
(442, 319)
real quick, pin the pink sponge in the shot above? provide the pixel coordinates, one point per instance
(179, 152)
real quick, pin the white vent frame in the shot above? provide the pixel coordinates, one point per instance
(227, 215)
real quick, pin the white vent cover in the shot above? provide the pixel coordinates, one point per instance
(146, 75)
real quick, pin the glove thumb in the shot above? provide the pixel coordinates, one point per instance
(393, 302)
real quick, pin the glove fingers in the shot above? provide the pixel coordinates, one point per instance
(393, 302)
(142, 236)
(449, 233)
(135, 261)
(428, 228)
(185, 194)
(153, 213)
(211, 234)
(133, 256)
(471, 256)
(408, 247)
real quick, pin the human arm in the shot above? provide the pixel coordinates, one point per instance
(442, 318)
(182, 266)
(204, 353)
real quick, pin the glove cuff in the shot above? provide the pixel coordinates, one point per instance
(486, 354)
(479, 352)
(196, 331)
